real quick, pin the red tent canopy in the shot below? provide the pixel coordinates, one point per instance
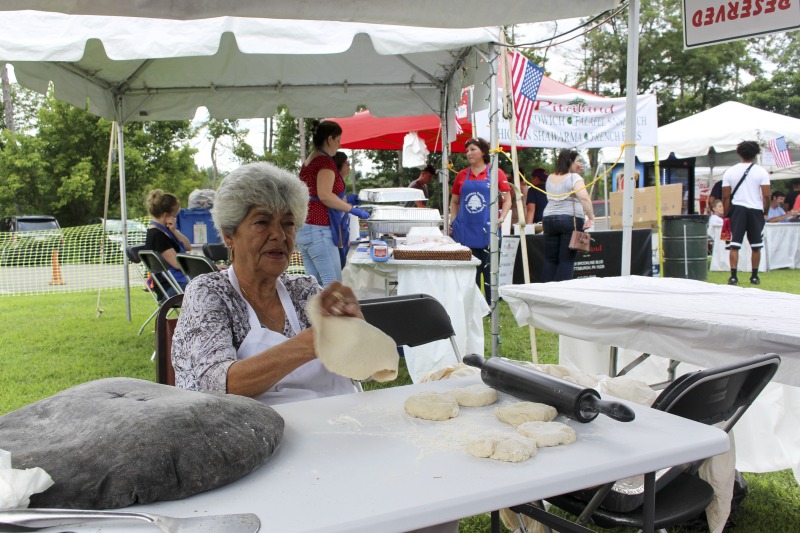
(362, 131)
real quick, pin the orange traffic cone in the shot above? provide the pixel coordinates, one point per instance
(57, 279)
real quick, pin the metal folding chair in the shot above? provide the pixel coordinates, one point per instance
(216, 251)
(165, 327)
(411, 319)
(161, 275)
(133, 256)
(194, 265)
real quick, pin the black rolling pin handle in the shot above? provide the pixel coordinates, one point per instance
(616, 410)
(473, 359)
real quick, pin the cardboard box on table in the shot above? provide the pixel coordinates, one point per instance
(645, 214)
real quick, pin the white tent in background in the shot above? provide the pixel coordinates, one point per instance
(712, 135)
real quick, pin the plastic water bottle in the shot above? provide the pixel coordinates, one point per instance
(379, 251)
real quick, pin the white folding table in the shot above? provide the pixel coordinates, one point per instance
(358, 463)
(700, 323)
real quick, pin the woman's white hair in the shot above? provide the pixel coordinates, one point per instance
(258, 184)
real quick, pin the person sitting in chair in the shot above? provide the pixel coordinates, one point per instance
(162, 235)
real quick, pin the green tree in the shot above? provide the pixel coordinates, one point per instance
(686, 81)
(286, 148)
(59, 167)
(780, 92)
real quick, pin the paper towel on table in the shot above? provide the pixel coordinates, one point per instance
(16, 486)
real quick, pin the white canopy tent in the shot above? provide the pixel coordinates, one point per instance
(428, 13)
(165, 67)
(712, 135)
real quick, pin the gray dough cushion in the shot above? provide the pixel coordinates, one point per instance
(114, 442)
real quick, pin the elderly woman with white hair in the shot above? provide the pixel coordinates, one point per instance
(245, 330)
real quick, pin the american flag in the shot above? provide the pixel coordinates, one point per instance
(780, 152)
(525, 80)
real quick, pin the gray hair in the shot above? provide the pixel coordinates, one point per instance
(258, 185)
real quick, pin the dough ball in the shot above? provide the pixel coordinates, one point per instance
(547, 433)
(521, 412)
(507, 447)
(432, 406)
(476, 395)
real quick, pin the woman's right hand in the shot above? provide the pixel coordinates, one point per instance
(588, 223)
(360, 213)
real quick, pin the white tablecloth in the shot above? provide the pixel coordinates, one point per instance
(781, 249)
(691, 321)
(450, 282)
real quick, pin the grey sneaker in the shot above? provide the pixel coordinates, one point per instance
(755, 281)
(733, 281)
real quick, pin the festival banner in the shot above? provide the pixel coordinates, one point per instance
(579, 120)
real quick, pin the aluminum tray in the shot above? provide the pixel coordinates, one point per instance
(391, 194)
(399, 220)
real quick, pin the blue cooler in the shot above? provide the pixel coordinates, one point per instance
(198, 226)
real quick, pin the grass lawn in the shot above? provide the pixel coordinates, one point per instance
(54, 341)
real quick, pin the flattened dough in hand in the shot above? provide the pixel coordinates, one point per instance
(507, 447)
(431, 406)
(476, 395)
(521, 412)
(547, 433)
(352, 348)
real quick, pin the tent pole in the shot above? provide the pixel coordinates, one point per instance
(494, 143)
(630, 134)
(523, 238)
(123, 204)
(110, 161)
(658, 214)
(444, 177)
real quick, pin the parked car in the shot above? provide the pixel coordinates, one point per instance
(29, 239)
(113, 248)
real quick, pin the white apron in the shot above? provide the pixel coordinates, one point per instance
(311, 380)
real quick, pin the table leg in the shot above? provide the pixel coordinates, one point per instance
(648, 525)
(612, 361)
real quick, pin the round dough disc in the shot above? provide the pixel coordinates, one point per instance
(431, 406)
(476, 395)
(547, 433)
(521, 412)
(507, 447)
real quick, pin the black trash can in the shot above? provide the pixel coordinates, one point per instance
(685, 246)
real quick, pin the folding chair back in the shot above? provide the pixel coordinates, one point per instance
(133, 256)
(194, 265)
(162, 277)
(411, 320)
(711, 396)
(165, 327)
(216, 251)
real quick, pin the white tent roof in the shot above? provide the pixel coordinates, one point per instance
(721, 128)
(237, 67)
(433, 13)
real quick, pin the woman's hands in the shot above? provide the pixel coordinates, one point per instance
(588, 223)
(339, 300)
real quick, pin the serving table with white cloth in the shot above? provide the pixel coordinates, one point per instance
(685, 320)
(450, 282)
(358, 463)
(781, 249)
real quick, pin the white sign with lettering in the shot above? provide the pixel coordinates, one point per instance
(579, 120)
(708, 22)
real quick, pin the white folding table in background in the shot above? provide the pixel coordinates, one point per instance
(695, 322)
(358, 463)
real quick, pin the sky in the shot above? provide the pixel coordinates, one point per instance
(558, 65)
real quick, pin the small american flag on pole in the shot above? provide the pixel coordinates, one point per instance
(780, 152)
(525, 80)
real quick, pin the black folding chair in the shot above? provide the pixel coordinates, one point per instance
(216, 251)
(161, 275)
(411, 320)
(714, 396)
(194, 265)
(133, 256)
(165, 327)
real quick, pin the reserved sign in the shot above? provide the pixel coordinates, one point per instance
(708, 22)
